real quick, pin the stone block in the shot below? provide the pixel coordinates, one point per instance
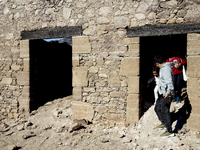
(80, 44)
(193, 83)
(193, 91)
(193, 36)
(115, 117)
(75, 60)
(193, 122)
(122, 22)
(193, 47)
(134, 47)
(6, 81)
(77, 93)
(130, 66)
(132, 115)
(23, 78)
(194, 99)
(118, 94)
(133, 101)
(114, 81)
(134, 50)
(101, 109)
(24, 49)
(133, 84)
(24, 105)
(15, 67)
(113, 104)
(26, 64)
(129, 41)
(93, 69)
(80, 76)
(81, 110)
(195, 109)
(26, 92)
(193, 67)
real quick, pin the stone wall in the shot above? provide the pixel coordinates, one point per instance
(104, 81)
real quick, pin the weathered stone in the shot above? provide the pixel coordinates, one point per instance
(24, 48)
(93, 69)
(114, 81)
(142, 8)
(80, 44)
(75, 60)
(6, 81)
(130, 41)
(140, 16)
(129, 66)
(101, 109)
(103, 20)
(118, 94)
(24, 105)
(66, 13)
(163, 15)
(15, 67)
(80, 77)
(91, 30)
(133, 84)
(121, 22)
(115, 117)
(168, 4)
(23, 78)
(105, 11)
(81, 110)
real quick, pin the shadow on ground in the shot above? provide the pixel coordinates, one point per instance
(183, 113)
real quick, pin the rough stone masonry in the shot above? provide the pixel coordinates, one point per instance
(105, 61)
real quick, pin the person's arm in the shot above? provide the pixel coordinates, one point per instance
(169, 82)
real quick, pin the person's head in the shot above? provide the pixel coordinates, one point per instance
(155, 71)
(158, 60)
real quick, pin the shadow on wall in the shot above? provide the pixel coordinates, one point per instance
(50, 71)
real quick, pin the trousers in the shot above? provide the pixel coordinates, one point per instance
(162, 109)
(178, 78)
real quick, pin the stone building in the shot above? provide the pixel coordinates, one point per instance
(106, 68)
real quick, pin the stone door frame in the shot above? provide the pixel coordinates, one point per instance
(23, 77)
(193, 60)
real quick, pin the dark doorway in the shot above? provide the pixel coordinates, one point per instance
(50, 71)
(166, 46)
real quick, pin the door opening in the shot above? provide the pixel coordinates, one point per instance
(50, 71)
(166, 46)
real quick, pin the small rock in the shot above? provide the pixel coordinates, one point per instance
(20, 127)
(81, 121)
(104, 140)
(28, 135)
(11, 147)
(74, 127)
(9, 133)
(127, 140)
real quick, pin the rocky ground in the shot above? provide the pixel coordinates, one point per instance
(50, 128)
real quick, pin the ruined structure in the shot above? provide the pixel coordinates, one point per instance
(113, 42)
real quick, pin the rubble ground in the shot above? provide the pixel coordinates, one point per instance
(51, 127)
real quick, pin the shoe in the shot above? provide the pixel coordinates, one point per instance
(177, 99)
(160, 127)
(173, 99)
(167, 134)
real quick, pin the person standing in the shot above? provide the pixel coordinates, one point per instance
(165, 94)
(178, 76)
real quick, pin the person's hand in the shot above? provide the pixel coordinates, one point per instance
(166, 95)
(179, 65)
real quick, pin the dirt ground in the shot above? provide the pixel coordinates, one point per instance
(48, 128)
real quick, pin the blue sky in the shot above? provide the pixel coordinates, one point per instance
(55, 39)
